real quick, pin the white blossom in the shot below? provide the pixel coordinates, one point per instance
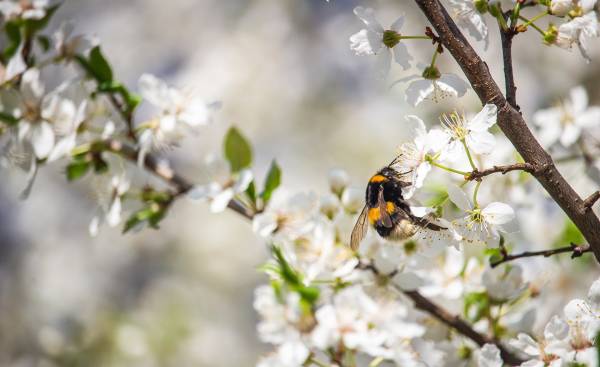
(110, 203)
(470, 131)
(566, 121)
(504, 283)
(433, 85)
(470, 17)
(374, 40)
(578, 31)
(489, 356)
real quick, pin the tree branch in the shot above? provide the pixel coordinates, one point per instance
(591, 200)
(506, 37)
(512, 123)
(477, 175)
(179, 183)
(577, 251)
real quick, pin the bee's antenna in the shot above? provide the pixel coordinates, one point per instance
(395, 160)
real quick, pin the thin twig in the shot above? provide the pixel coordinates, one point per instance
(163, 171)
(477, 175)
(512, 124)
(509, 80)
(591, 200)
(577, 251)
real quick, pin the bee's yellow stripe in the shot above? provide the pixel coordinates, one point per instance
(374, 214)
(378, 178)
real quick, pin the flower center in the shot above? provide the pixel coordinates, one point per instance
(391, 38)
(455, 125)
(431, 73)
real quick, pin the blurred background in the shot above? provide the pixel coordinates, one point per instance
(182, 296)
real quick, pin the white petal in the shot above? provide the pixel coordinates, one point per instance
(422, 170)
(419, 126)
(454, 84)
(489, 356)
(482, 142)
(94, 226)
(365, 43)
(579, 99)
(418, 91)
(498, 213)
(484, 119)
(570, 135)
(556, 329)
(594, 294)
(436, 141)
(243, 181)
(588, 118)
(383, 63)
(264, 224)
(220, 202)
(113, 217)
(32, 89)
(458, 197)
(402, 56)
(31, 176)
(42, 139)
(16, 65)
(397, 25)
(62, 148)
(367, 15)
(154, 90)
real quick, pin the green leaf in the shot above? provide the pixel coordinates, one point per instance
(99, 66)
(13, 33)
(570, 234)
(272, 182)
(44, 42)
(597, 344)
(251, 192)
(77, 169)
(100, 165)
(8, 118)
(477, 305)
(137, 218)
(237, 150)
(309, 294)
(34, 25)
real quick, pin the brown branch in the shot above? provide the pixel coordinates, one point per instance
(577, 251)
(477, 175)
(591, 200)
(512, 123)
(178, 182)
(506, 37)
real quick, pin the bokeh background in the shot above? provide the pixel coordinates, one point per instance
(182, 296)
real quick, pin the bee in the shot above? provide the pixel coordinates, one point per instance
(387, 210)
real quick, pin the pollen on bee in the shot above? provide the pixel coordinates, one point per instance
(378, 178)
(374, 215)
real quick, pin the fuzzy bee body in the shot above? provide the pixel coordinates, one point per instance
(387, 211)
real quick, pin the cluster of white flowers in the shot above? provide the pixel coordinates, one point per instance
(326, 302)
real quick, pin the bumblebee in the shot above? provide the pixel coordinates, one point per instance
(387, 210)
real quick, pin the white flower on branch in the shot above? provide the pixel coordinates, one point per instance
(480, 224)
(413, 157)
(578, 31)
(469, 15)
(26, 9)
(565, 122)
(223, 186)
(68, 45)
(560, 8)
(504, 283)
(110, 203)
(374, 40)
(470, 131)
(177, 112)
(489, 356)
(433, 85)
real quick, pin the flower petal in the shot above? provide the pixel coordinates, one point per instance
(418, 91)
(498, 213)
(482, 142)
(458, 197)
(402, 56)
(485, 119)
(42, 139)
(367, 15)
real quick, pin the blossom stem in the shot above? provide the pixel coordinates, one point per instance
(469, 154)
(434, 58)
(535, 18)
(415, 37)
(475, 192)
(316, 362)
(376, 362)
(530, 23)
(449, 169)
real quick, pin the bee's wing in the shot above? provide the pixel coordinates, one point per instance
(385, 217)
(360, 229)
(425, 222)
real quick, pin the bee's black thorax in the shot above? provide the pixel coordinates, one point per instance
(388, 180)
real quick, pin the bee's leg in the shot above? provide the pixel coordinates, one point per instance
(426, 222)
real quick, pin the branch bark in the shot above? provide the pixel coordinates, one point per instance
(477, 175)
(577, 251)
(512, 123)
(510, 87)
(180, 184)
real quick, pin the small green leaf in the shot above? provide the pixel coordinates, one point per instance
(137, 218)
(99, 66)
(34, 25)
(476, 306)
(309, 294)
(8, 118)
(272, 182)
(13, 33)
(570, 234)
(77, 169)
(44, 42)
(251, 192)
(237, 150)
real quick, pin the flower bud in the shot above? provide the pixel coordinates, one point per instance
(431, 73)
(329, 205)
(338, 180)
(481, 6)
(352, 199)
(561, 8)
(550, 35)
